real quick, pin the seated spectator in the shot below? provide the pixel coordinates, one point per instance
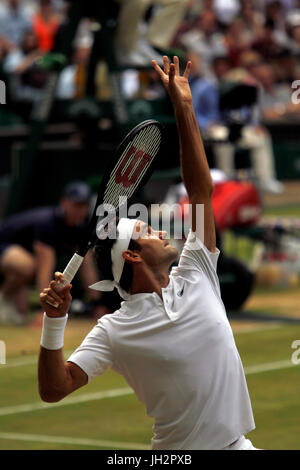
(275, 98)
(275, 14)
(26, 79)
(226, 10)
(270, 41)
(15, 20)
(294, 41)
(237, 40)
(45, 25)
(72, 80)
(205, 95)
(253, 136)
(253, 19)
(286, 67)
(205, 40)
(30, 243)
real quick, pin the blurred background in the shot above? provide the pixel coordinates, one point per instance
(76, 77)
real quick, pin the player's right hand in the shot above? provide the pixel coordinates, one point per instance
(56, 295)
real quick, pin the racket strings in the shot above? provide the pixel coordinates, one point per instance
(147, 141)
(141, 142)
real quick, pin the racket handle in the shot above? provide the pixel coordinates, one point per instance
(69, 272)
(72, 268)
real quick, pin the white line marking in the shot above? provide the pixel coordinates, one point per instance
(72, 441)
(27, 360)
(117, 392)
(268, 367)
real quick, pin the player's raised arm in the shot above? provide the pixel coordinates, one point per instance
(56, 377)
(194, 167)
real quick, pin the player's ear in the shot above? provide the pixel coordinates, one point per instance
(131, 256)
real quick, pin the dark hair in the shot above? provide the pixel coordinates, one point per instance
(102, 251)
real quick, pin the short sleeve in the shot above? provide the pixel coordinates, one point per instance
(94, 355)
(196, 255)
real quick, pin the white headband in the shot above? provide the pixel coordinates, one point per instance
(125, 231)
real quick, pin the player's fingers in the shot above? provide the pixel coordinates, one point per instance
(57, 286)
(187, 69)
(176, 63)
(59, 276)
(46, 298)
(172, 73)
(43, 297)
(54, 295)
(157, 68)
(166, 64)
(66, 290)
(66, 293)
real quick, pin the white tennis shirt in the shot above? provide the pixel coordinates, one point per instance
(179, 356)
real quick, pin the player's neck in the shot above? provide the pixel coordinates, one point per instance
(146, 280)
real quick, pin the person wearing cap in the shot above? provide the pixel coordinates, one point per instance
(170, 339)
(31, 243)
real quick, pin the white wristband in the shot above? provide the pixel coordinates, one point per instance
(53, 332)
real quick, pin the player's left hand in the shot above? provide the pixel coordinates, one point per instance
(176, 85)
(56, 295)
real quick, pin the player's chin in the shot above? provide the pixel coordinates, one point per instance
(174, 253)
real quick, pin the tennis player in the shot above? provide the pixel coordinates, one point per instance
(171, 338)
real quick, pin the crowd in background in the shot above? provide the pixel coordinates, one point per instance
(260, 38)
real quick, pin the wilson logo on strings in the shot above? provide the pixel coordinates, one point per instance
(139, 159)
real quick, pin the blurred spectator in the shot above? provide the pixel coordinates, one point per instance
(237, 40)
(295, 46)
(15, 20)
(138, 49)
(30, 243)
(45, 25)
(204, 39)
(6, 46)
(275, 99)
(226, 10)
(253, 19)
(286, 67)
(253, 136)
(25, 78)
(270, 42)
(72, 80)
(275, 14)
(205, 95)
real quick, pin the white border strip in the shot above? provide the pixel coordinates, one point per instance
(72, 441)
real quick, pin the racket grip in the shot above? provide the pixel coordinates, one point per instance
(72, 268)
(69, 272)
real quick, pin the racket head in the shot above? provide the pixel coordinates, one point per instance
(129, 170)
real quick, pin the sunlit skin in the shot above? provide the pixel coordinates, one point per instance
(151, 264)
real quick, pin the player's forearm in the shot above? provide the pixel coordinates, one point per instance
(54, 378)
(194, 167)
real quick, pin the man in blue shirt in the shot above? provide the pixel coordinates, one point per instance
(205, 95)
(30, 243)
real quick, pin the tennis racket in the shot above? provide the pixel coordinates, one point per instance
(128, 171)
